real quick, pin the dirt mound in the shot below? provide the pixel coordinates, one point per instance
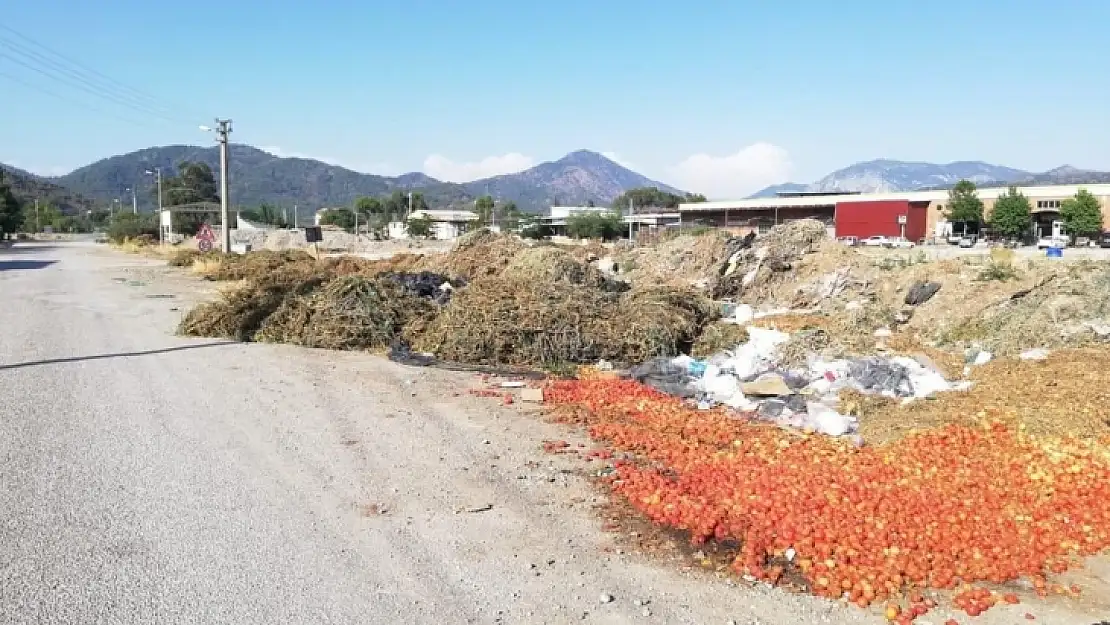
(476, 254)
(760, 266)
(1060, 306)
(684, 259)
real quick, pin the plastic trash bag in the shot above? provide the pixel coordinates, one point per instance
(665, 376)
(827, 420)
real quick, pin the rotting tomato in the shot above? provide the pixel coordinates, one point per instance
(955, 505)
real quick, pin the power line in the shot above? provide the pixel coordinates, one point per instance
(29, 85)
(91, 74)
(93, 90)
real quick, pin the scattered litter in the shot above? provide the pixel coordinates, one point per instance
(921, 292)
(533, 395)
(1038, 353)
(766, 385)
(483, 508)
(160, 296)
(513, 384)
(744, 314)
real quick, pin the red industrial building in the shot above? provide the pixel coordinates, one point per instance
(908, 215)
(915, 215)
(892, 218)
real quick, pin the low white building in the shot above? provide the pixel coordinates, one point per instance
(446, 224)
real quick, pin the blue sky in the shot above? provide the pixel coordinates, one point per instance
(719, 97)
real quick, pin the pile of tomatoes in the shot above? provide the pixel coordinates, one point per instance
(940, 509)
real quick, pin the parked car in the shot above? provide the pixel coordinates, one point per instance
(849, 241)
(967, 241)
(1044, 243)
(1104, 239)
(877, 240)
(900, 242)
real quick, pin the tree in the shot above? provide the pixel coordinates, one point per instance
(38, 220)
(397, 204)
(1082, 214)
(647, 198)
(511, 215)
(338, 217)
(369, 206)
(264, 214)
(605, 226)
(11, 215)
(1011, 216)
(419, 227)
(194, 182)
(484, 207)
(964, 203)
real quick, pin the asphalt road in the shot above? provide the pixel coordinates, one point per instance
(146, 478)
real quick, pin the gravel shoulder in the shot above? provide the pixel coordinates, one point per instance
(149, 478)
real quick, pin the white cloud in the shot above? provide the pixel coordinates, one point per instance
(442, 168)
(380, 169)
(735, 175)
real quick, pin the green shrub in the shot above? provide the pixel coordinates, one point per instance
(131, 226)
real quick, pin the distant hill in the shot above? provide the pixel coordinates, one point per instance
(28, 187)
(575, 179)
(887, 175)
(258, 176)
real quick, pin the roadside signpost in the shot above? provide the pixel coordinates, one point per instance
(205, 237)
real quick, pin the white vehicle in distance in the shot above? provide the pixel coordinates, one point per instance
(849, 241)
(900, 242)
(877, 240)
(1044, 243)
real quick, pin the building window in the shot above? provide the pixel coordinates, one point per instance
(940, 207)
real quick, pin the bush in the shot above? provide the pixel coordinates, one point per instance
(997, 270)
(126, 226)
(536, 232)
(595, 226)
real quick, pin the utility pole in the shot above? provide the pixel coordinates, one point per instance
(38, 225)
(409, 216)
(295, 217)
(134, 202)
(631, 207)
(223, 129)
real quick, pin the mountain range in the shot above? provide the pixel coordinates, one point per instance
(575, 179)
(257, 176)
(884, 175)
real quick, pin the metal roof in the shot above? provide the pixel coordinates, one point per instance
(992, 193)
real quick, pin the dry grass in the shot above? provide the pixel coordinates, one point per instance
(514, 321)
(476, 254)
(717, 337)
(348, 313)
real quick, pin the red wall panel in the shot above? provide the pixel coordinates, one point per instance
(878, 217)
